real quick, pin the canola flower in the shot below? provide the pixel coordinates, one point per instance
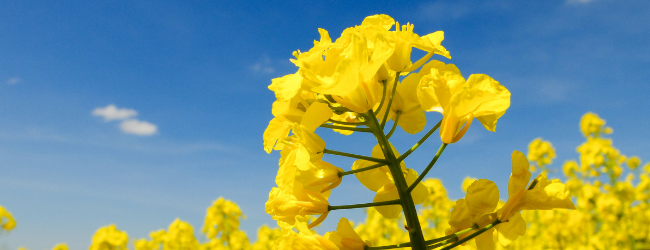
(7, 221)
(352, 84)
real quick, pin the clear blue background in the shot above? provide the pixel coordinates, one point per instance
(199, 70)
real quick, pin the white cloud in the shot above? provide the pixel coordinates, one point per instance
(13, 80)
(264, 65)
(111, 112)
(137, 127)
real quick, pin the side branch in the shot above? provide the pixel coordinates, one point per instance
(424, 138)
(367, 158)
(341, 174)
(372, 204)
(471, 236)
(426, 170)
(346, 128)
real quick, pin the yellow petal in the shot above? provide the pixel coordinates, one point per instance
(345, 230)
(520, 174)
(484, 241)
(482, 96)
(278, 128)
(420, 192)
(546, 195)
(482, 197)
(509, 231)
(461, 216)
(373, 179)
(387, 193)
(286, 87)
(317, 114)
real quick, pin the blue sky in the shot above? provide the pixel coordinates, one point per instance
(196, 73)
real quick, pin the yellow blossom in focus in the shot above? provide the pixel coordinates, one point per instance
(305, 239)
(542, 194)
(443, 89)
(346, 238)
(285, 204)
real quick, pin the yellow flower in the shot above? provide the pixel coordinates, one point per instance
(109, 238)
(266, 238)
(346, 238)
(476, 209)
(180, 235)
(541, 152)
(285, 113)
(285, 204)
(444, 90)
(305, 239)
(405, 39)
(592, 125)
(6, 219)
(61, 246)
(405, 102)
(380, 180)
(542, 194)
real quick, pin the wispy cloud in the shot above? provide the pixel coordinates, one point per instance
(111, 112)
(129, 125)
(13, 80)
(137, 127)
(263, 65)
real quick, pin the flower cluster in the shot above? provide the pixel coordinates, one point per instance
(359, 82)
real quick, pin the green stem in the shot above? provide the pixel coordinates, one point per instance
(406, 200)
(424, 138)
(345, 128)
(346, 123)
(372, 204)
(394, 125)
(341, 174)
(471, 236)
(390, 102)
(332, 152)
(426, 170)
(383, 97)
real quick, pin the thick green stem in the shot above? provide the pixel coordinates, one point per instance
(367, 158)
(426, 170)
(341, 174)
(390, 102)
(345, 128)
(406, 200)
(424, 138)
(372, 204)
